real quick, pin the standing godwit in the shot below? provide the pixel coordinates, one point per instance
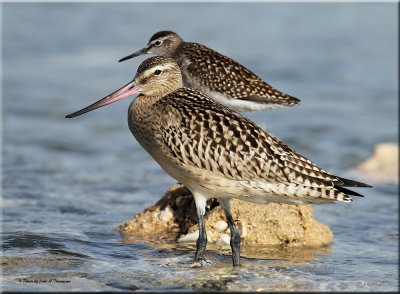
(216, 152)
(216, 75)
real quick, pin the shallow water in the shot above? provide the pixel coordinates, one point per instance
(68, 183)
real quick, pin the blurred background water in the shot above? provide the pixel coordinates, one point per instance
(68, 183)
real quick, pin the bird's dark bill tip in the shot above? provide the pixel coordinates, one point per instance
(137, 53)
(124, 58)
(77, 113)
(130, 56)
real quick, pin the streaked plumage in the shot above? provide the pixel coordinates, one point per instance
(216, 75)
(216, 152)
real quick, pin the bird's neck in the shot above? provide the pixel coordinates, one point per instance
(142, 108)
(142, 105)
(174, 50)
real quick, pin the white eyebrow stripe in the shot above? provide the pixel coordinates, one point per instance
(159, 39)
(161, 67)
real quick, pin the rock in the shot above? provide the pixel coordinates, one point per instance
(174, 217)
(224, 241)
(189, 238)
(220, 226)
(242, 227)
(382, 166)
(166, 214)
(192, 237)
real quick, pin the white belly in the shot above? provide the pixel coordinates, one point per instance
(240, 105)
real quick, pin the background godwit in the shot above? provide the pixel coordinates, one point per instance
(216, 75)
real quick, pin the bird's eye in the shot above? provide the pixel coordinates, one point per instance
(157, 43)
(157, 72)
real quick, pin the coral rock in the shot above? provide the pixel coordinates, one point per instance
(174, 217)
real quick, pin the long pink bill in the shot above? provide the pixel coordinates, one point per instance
(128, 90)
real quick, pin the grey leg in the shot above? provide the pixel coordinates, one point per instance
(235, 237)
(202, 240)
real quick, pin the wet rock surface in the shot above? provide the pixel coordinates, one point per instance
(174, 218)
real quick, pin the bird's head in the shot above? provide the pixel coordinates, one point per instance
(157, 76)
(163, 43)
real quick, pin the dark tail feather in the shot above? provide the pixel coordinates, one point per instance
(293, 100)
(348, 192)
(351, 183)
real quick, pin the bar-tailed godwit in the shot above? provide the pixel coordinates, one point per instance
(216, 75)
(217, 152)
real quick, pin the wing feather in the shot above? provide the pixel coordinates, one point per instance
(217, 71)
(210, 136)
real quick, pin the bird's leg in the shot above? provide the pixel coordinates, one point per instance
(235, 236)
(202, 239)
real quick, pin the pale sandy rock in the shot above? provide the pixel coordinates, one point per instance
(166, 214)
(242, 227)
(383, 164)
(174, 217)
(220, 226)
(224, 241)
(192, 237)
(189, 238)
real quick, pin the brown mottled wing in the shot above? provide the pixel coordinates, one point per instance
(199, 132)
(303, 171)
(223, 74)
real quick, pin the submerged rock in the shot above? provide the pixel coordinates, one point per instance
(383, 165)
(174, 217)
